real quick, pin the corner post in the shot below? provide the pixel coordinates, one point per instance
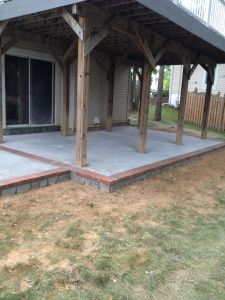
(144, 106)
(1, 100)
(83, 76)
(111, 79)
(183, 100)
(205, 117)
(65, 105)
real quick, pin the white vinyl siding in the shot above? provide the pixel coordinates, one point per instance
(99, 94)
(198, 80)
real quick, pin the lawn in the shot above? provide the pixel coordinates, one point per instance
(169, 122)
(163, 238)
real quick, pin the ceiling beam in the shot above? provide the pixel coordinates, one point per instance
(126, 26)
(17, 8)
(9, 44)
(30, 37)
(3, 26)
(74, 25)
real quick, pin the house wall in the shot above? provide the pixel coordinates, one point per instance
(98, 89)
(198, 80)
(99, 94)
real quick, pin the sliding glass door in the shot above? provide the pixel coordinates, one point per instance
(41, 92)
(29, 91)
(17, 90)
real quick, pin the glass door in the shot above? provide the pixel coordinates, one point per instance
(41, 96)
(17, 90)
(29, 91)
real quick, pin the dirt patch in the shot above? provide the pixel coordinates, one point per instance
(23, 254)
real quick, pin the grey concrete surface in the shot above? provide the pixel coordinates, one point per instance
(12, 166)
(108, 152)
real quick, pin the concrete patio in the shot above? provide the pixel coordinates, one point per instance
(109, 153)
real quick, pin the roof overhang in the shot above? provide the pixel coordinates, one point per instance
(171, 11)
(18, 8)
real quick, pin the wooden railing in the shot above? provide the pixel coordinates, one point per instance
(210, 12)
(195, 106)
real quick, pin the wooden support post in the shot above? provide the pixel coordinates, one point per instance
(158, 106)
(1, 102)
(111, 76)
(66, 98)
(144, 107)
(183, 98)
(205, 117)
(83, 76)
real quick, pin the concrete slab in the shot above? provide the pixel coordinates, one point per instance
(12, 166)
(108, 153)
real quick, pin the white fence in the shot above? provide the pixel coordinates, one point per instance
(210, 12)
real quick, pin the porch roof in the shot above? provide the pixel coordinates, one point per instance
(160, 18)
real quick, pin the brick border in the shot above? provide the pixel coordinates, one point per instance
(23, 184)
(65, 171)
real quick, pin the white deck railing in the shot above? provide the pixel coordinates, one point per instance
(210, 12)
(4, 1)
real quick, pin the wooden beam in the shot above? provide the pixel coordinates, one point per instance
(1, 100)
(123, 25)
(83, 77)
(140, 77)
(193, 68)
(95, 40)
(66, 98)
(144, 107)
(183, 99)
(205, 117)
(9, 44)
(162, 51)
(34, 38)
(158, 106)
(3, 26)
(111, 79)
(21, 8)
(142, 44)
(74, 25)
(69, 53)
(56, 57)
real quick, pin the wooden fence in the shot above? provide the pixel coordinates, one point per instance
(195, 106)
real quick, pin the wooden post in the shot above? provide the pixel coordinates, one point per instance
(66, 98)
(1, 102)
(205, 117)
(134, 104)
(158, 106)
(144, 107)
(111, 76)
(83, 76)
(183, 99)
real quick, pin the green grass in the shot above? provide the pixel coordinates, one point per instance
(181, 258)
(169, 119)
(180, 254)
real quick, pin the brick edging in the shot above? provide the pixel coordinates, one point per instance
(23, 184)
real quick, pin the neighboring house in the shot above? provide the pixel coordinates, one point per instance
(33, 86)
(197, 82)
